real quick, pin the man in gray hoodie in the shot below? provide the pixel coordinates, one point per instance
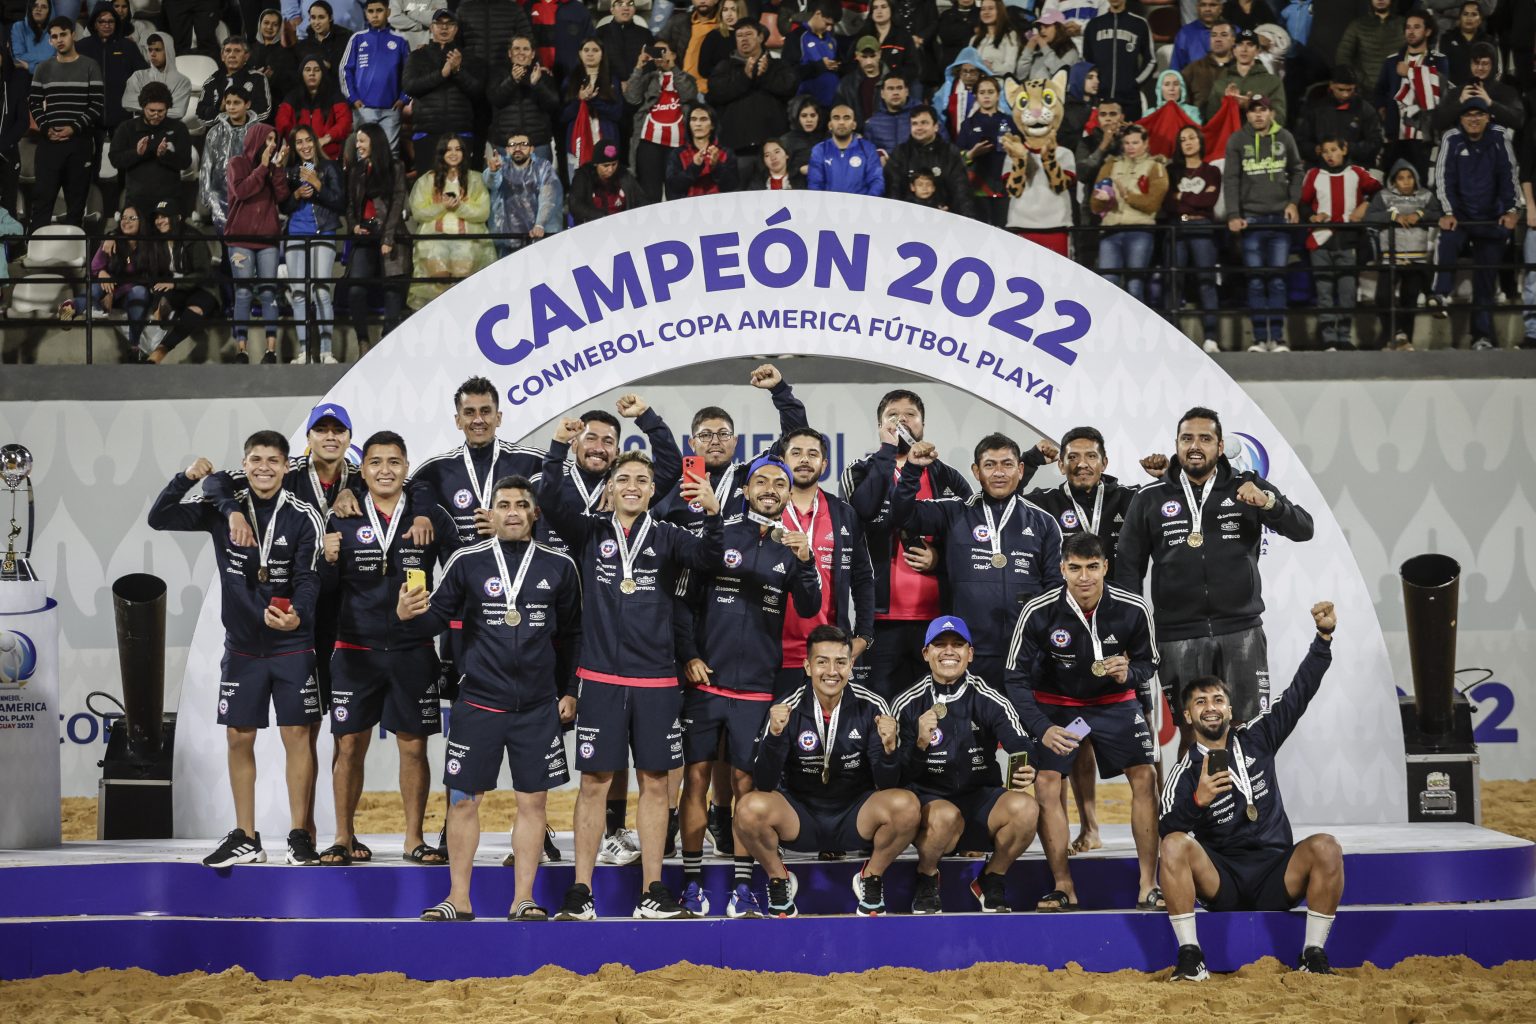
(1260, 188)
(162, 68)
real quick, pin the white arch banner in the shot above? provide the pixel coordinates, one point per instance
(1031, 333)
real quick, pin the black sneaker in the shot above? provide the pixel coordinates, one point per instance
(1314, 961)
(657, 904)
(1436, 306)
(988, 890)
(269, 357)
(301, 848)
(925, 898)
(238, 848)
(781, 896)
(869, 890)
(720, 836)
(241, 358)
(578, 905)
(1191, 965)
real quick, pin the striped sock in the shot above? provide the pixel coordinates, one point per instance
(743, 870)
(693, 866)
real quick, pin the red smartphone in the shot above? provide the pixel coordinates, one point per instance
(693, 468)
(282, 604)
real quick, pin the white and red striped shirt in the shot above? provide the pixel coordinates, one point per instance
(664, 121)
(1418, 93)
(1335, 194)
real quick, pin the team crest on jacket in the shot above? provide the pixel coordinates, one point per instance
(808, 741)
(365, 535)
(937, 737)
(1069, 519)
(608, 548)
(981, 533)
(462, 498)
(732, 558)
(493, 586)
(1061, 638)
(1171, 509)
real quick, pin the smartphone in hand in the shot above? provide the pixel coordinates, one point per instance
(1218, 761)
(1015, 762)
(693, 468)
(415, 579)
(1078, 728)
(282, 604)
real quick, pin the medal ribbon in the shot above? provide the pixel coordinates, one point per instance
(386, 540)
(1090, 624)
(314, 480)
(264, 542)
(510, 588)
(794, 514)
(1240, 772)
(1091, 525)
(995, 532)
(827, 731)
(627, 551)
(481, 489)
(587, 497)
(1196, 512)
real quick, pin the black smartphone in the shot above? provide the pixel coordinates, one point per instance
(1218, 760)
(654, 50)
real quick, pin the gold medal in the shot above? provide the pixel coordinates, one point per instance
(262, 575)
(776, 534)
(1253, 813)
(627, 587)
(1195, 539)
(513, 616)
(939, 711)
(1100, 669)
(999, 561)
(826, 775)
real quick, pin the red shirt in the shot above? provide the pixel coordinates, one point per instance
(797, 628)
(914, 595)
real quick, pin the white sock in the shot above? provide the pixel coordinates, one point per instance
(1184, 929)
(1317, 929)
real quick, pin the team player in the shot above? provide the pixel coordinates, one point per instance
(380, 677)
(1202, 526)
(1226, 838)
(951, 724)
(268, 591)
(630, 699)
(730, 647)
(827, 776)
(1081, 663)
(520, 605)
(998, 549)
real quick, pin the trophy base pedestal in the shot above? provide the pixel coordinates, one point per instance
(16, 569)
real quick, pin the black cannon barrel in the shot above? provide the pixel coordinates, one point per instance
(1431, 588)
(138, 602)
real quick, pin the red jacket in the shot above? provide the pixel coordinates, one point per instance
(255, 189)
(335, 121)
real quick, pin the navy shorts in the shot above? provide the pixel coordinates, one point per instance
(1121, 738)
(286, 681)
(614, 721)
(397, 689)
(708, 716)
(821, 830)
(788, 681)
(1241, 659)
(975, 807)
(530, 739)
(1251, 880)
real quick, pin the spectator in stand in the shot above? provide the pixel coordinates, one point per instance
(225, 139)
(658, 90)
(29, 37)
(956, 98)
(773, 172)
(1459, 41)
(443, 85)
(1119, 44)
(812, 48)
(486, 27)
(376, 208)
(152, 150)
(412, 19)
(162, 69)
(1194, 186)
(844, 162)
(524, 99)
(1102, 143)
(1412, 211)
(186, 290)
(720, 43)
(686, 32)
(1410, 84)
(235, 74)
(603, 188)
(921, 17)
(1200, 75)
(186, 18)
(1369, 40)
(135, 30)
(272, 56)
(981, 140)
(1171, 89)
(808, 126)
(1336, 193)
(860, 87)
(750, 90)
(1475, 178)
(1249, 14)
(998, 40)
(1193, 40)
(315, 204)
(325, 37)
(559, 26)
(1246, 77)
(957, 24)
(318, 105)
(1260, 188)
(924, 151)
(899, 48)
(702, 167)
(1337, 109)
(1082, 104)
(121, 272)
(257, 184)
(1047, 49)
(525, 194)
(448, 201)
(373, 71)
(592, 106)
(624, 39)
(891, 125)
(1503, 101)
(1528, 284)
(67, 104)
(1077, 12)
(1128, 195)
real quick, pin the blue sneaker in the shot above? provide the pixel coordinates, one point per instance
(781, 896)
(695, 900)
(743, 904)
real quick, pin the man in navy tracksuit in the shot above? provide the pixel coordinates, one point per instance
(730, 641)
(1085, 654)
(630, 699)
(845, 162)
(952, 723)
(827, 776)
(1119, 44)
(1226, 838)
(268, 588)
(1476, 179)
(999, 549)
(520, 605)
(372, 70)
(379, 678)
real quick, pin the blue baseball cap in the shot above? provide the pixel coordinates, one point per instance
(947, 624)
(329, 411)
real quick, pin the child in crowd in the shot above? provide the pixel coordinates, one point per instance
(1411, 210)
(1336, 193)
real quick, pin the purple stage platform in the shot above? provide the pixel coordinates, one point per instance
(151, 905)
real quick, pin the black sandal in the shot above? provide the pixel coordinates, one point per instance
(446, 911)
(1055, 902)
(422, 852)
(360, 852)
(528, 910)
(343, 857)
(1153, 900)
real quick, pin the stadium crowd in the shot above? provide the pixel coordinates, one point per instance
(780, 668)
(229, 157)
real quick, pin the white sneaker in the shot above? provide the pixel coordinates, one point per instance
(1210, 346)
(301, 358)
(623, 847)
(1259, 346)
(328, 359)
(1279, 346)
